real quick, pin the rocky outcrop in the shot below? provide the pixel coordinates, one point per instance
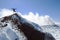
(22, 25)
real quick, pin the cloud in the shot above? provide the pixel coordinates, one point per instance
(5, 12)
(58, 23)
(41, 20)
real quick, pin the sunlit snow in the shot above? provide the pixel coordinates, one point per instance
(10, 34)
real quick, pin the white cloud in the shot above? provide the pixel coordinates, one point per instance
(41, 20)
(5, 12)
(58, 23)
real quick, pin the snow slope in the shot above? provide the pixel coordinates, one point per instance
(11, 29)
(8, 31)
(53, 29)
(14, 27)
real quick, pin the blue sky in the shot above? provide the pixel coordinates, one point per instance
(43, 7)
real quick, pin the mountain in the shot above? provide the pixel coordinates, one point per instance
(53, 29)
(15, 27)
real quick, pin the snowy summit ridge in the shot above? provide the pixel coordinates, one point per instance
(41, 20)
(21, 29)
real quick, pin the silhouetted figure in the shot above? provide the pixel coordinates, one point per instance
(13, 9)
